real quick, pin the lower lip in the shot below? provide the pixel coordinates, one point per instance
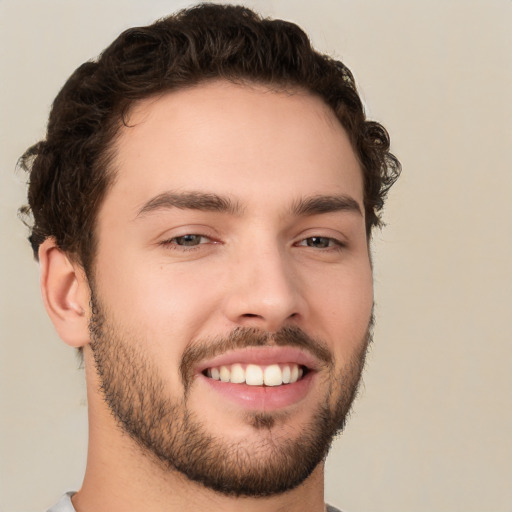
(267, 398)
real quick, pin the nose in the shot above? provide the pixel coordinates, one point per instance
(264, 291)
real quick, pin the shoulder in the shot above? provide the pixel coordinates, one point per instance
(330, 508)
(64, 505)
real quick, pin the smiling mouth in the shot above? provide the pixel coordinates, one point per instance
(257, 375)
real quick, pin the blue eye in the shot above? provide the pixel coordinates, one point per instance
(320, 242)
(185, 241)
(189, 240)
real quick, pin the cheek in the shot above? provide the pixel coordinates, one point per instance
(178, 302)
(342, 308)
(167, 305)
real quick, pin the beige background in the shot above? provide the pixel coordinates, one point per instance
(432, 429)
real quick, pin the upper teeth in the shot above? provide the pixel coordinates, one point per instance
(255, 375)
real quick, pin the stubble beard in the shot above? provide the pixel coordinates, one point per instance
(176, 439)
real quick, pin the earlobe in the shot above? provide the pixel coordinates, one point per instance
(66, 294)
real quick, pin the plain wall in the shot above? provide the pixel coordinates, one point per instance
(432, 428)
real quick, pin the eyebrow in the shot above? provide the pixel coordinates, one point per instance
(325, 204)
(209, 202)
(190, 201)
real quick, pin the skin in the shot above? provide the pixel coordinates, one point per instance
(254, 267)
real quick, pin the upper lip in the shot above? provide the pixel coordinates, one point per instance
(262, 356)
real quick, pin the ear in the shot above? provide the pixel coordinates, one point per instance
(66, 294)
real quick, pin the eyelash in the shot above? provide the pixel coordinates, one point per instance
(171, 242)
(333, 243)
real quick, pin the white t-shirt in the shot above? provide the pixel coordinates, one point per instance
(64, 505)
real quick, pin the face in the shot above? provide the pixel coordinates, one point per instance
(232, 286)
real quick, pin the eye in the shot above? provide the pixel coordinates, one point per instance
(320, 242)
(188, 240)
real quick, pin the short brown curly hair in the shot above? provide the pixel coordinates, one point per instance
(70, 170)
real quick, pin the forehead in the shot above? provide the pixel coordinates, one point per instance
(245, 141)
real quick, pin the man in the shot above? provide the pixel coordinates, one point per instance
(202, 209)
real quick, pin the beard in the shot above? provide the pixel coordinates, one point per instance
(177, 438)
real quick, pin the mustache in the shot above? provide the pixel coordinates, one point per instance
(243, 337)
